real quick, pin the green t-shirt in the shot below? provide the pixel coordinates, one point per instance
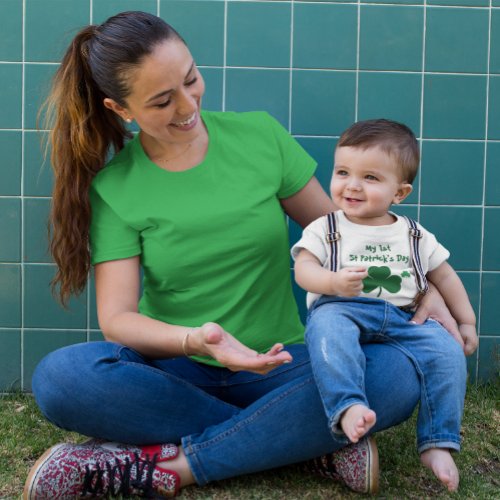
(213, 239)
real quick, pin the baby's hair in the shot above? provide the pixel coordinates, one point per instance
(392, 137)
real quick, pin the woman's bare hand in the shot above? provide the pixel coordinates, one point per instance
(433, 307)
(211, 339)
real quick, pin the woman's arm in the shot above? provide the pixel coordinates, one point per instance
(310, 203)
(117, 285)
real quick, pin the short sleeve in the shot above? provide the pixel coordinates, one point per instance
(110, 237)
(313, 240)
(298, 165)
(436, 253)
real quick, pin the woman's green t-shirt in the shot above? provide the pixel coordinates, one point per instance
(213, 240)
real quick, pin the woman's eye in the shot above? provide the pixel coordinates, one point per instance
(191, 82)
(163, 104)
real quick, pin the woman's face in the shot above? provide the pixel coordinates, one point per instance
(166, 92)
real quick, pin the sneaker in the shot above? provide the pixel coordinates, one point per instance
(355, 465)
(100, 469)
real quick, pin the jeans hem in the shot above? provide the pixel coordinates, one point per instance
(450, 443)
(193, 462)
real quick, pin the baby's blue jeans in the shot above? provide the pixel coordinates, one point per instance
(230, 423)
(337, 332)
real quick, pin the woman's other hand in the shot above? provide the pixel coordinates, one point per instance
(432, 306)
(211, 339)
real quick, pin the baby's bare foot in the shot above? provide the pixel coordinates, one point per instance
(356, 421)
(440, 461)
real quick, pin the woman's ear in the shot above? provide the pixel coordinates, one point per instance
(119, 110)
(403, 192)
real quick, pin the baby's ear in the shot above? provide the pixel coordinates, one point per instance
(403, 192)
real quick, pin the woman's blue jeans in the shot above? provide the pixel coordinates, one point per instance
(335, 329)
(228, 423)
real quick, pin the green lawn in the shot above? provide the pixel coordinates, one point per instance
(24, 435)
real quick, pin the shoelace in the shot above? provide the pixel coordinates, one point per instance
(119, 477)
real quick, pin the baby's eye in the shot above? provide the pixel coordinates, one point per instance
(340, 172)
(371, 177)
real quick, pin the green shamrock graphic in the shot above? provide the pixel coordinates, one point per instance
(381, 277)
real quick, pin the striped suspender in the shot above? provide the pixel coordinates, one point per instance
(415, 235)
(333, 237)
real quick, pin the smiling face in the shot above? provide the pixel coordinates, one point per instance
(365, 182)
(165, 98)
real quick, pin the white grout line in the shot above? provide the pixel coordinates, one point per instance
(23, 108)
(358, 51)
(422, 95)
(290, 81)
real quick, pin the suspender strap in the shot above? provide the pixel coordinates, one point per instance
(415, 236)
(333, 237)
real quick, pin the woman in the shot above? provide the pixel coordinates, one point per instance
(209, 354)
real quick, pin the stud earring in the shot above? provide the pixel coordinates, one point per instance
(128, 120)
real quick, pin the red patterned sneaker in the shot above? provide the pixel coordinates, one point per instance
(355, 465)
(99, 469)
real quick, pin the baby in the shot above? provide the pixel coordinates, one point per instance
(365, 269)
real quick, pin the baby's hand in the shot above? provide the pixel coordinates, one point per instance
(348, 282)
(469, 336)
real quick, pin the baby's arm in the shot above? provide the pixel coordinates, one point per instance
(313, 277)
(454, 294)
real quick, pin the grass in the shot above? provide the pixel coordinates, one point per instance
(25, 434)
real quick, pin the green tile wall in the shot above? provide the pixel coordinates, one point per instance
(315, 65)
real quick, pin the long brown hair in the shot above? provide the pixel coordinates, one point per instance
(83, 131)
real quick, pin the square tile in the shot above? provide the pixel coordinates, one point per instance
(493, 174)
(39, 343)
(448, 225)
(472, 368)
(51, 25)
(96, 337)
(495, 42)
(456, 40)
(445, 165)
(41, 310)
(11, 27)
(10, 229)
(11, 148)
(104, 9)
(454, 106)
(313, 43)
(258, 34)
(212, 100)
(10, 97)
(10, 295)
(92, 307)
(259, 89)
(395, 96)
(470, 3)
(10, 360)
(197, 22)
(490, 312)
(391, 37)
(491, 243)
(322, 150)
(408, 210)
(397, 2)
(38, 78)
(494, 108)
(36, 216)
(489, 359)
(323, 102)
(38, 176)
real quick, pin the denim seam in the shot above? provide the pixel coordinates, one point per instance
(423, 384)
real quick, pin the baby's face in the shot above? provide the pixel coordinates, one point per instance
(365, 182)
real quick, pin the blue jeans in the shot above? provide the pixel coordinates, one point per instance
(228, 423)
(337, 327)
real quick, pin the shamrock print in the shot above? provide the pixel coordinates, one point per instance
(380, 277)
